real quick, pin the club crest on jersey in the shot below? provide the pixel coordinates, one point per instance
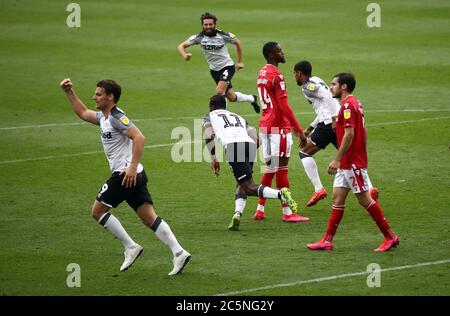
(311, 87)
(125, 120)
(347, 114)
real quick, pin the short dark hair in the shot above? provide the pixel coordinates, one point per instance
(304, 66)
(111, 87)
(208, 15)
(346, 78)
(268, 48)
(217, 102)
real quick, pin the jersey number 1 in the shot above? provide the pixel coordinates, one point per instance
(228, 123)
(266, 101)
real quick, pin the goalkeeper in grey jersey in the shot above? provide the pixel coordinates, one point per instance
(123, 144)
(214, 45)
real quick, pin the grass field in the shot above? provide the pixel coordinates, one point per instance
(51, 164)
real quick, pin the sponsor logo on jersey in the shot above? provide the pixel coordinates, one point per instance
(347, 114)
(107, 135)
(125, 120)
(283, 85)
(213, 47)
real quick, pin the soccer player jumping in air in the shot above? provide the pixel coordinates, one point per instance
(214, 44)
(321, 131)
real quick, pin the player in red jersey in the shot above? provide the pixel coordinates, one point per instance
(275, 125)
(350, 166)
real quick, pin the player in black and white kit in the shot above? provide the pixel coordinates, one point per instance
(230, 129)
(214, 45)
(321, 131)
(123, 144)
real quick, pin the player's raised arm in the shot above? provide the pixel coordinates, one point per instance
(182, 50)
(77, 105)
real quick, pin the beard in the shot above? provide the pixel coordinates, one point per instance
(210, 33)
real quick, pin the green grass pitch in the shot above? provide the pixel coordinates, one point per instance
(51, 166)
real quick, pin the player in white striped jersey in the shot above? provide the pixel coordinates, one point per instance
(321, 131)
(214, 45)
(230, 130)
(123, 144)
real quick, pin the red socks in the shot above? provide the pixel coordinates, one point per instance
(337, 212)
(377, 214)
(282, 180)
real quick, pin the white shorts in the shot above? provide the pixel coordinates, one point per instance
(276, 145)
(355, 179)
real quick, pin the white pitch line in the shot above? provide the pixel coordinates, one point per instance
(86, 153)
(410, 121)
(199, 117)
(196, 141)
(332, 277)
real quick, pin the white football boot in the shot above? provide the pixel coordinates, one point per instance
(179, 262)
(130, 256)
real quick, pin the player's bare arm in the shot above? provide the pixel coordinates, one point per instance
(333, 124)
(77, 105)
(210, 144)
(308, 131)
(182, 50)
(129, 180)
(349, 132)
(240, 63)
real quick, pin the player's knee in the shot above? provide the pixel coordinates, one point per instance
(232, 97)
(240, 195)
(364, 199)
(147, 214)
(338, 199)
(220, 90)
(97, 213)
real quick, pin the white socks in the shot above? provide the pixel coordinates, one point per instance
(161, 229)
(269, 193)
(240, 97)
(112, 224)
(164, 233)
(240, 205)
(311, 171)
(287, 210)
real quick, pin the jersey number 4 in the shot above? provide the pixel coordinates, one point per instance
(264, 98)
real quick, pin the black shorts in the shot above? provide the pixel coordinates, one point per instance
(112, 193)
(240, 157)
(323, 135)
(224, 74)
